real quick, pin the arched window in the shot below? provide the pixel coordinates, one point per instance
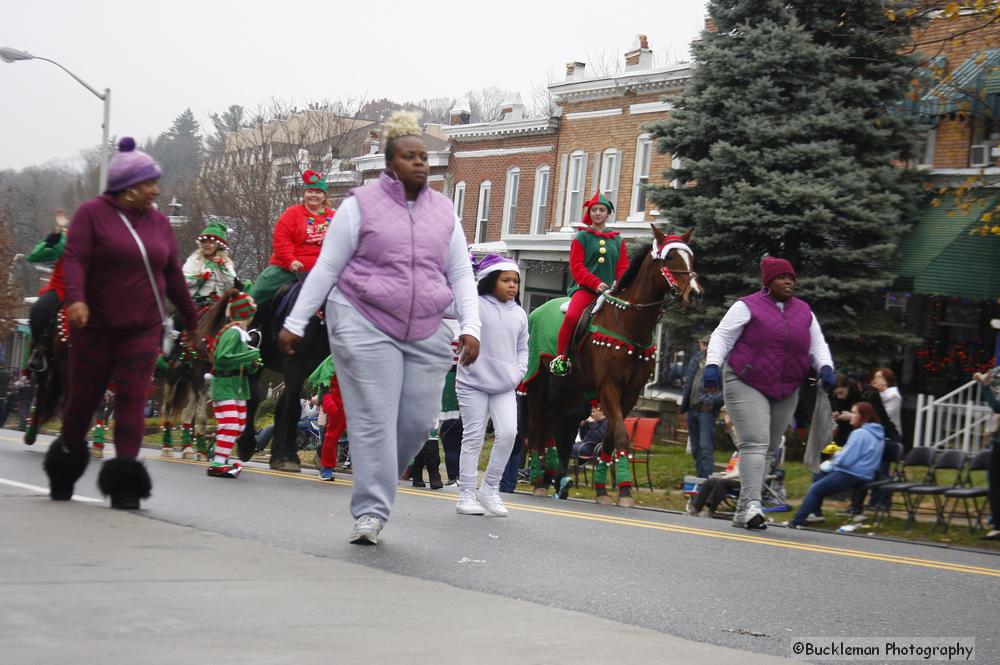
(577, 171)
(510, 200)
(483, 212)
(540, 203)
(459, 199)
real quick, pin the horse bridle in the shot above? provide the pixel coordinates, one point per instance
(659, 254)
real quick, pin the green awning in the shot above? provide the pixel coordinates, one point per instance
(940, 256)
(963, 90)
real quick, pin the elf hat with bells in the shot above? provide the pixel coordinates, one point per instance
(216, 231)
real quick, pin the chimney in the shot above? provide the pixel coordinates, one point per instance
(372, 142)
(512, 109)
(574, 71)
(460, 113)
(640, 56)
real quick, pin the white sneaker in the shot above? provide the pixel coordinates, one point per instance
(366, 530)
(813, 518)
(489, 498)
(467, 504)
(754, 518)
(858, 519)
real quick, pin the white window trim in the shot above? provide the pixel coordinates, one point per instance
(459, 199)
(635, 214)
(540, 199)
(511, 198)
(927, 158)
(482, 212)
(575, 216)
(611, 193)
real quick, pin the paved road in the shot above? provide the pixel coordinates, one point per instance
(598, 581)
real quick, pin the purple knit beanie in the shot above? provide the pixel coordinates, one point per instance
(130, 167)
(772, 267)
(494, 263)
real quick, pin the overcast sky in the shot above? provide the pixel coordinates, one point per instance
(159, 58)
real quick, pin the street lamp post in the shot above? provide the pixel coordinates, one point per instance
(8, 54)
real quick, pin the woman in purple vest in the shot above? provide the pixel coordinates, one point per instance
(394, 260)
(765, 343)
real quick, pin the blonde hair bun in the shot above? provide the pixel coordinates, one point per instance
(402, 123)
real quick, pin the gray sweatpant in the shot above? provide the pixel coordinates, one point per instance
(392, 394)
(760, 423)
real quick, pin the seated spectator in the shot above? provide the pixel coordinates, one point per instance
(592, 432)
(715, 489)
(855, 465)
(884, 380)
(847, 392)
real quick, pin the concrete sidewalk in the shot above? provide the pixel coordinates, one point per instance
(82, 583)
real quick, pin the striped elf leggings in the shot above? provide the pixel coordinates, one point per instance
(230, 420)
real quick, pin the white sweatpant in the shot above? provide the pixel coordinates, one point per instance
(476, 408)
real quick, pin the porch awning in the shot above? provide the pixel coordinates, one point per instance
(940, 256)
(972, 87)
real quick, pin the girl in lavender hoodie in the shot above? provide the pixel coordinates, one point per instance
(486, 389)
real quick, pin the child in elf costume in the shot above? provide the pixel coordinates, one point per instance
(232, 360)
(298, 236)
(209, 271)
(597, 259)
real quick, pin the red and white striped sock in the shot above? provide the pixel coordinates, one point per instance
(230, 419)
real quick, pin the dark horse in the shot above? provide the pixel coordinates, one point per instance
(294, 369)
(615, 356)
(52, 382)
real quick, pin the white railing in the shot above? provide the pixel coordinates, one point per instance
(959, 419)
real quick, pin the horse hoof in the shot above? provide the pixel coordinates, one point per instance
(188, 453)
(167, 452)
(289, 466)
(541, 491)
(603, 500)
(626, 502)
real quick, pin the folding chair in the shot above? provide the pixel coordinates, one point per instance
(969, 491)
(640, 445)
(919, 456)
(892, 457)
(951, 460)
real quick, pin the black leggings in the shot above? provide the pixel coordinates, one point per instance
(41, 314)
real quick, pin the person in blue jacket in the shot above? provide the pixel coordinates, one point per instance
(852, 466)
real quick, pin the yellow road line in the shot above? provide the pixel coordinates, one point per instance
(644, 524)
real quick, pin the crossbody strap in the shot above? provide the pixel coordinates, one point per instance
(145, 260)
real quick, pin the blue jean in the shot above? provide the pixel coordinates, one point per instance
(824, 484)
(508, 483)
(701, 429)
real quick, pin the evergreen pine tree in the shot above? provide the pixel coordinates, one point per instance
(790, 147)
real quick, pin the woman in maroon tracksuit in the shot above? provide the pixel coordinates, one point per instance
(116, 323)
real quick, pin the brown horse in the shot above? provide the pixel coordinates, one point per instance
(614, 360)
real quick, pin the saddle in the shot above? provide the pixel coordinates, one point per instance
(284, 300)
(583, 326)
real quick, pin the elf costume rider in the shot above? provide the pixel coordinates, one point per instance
(232, 360)
(209, 277)
(596, 257)
(298, 237)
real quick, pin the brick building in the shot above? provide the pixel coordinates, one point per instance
(519, 183)
(948, 290)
